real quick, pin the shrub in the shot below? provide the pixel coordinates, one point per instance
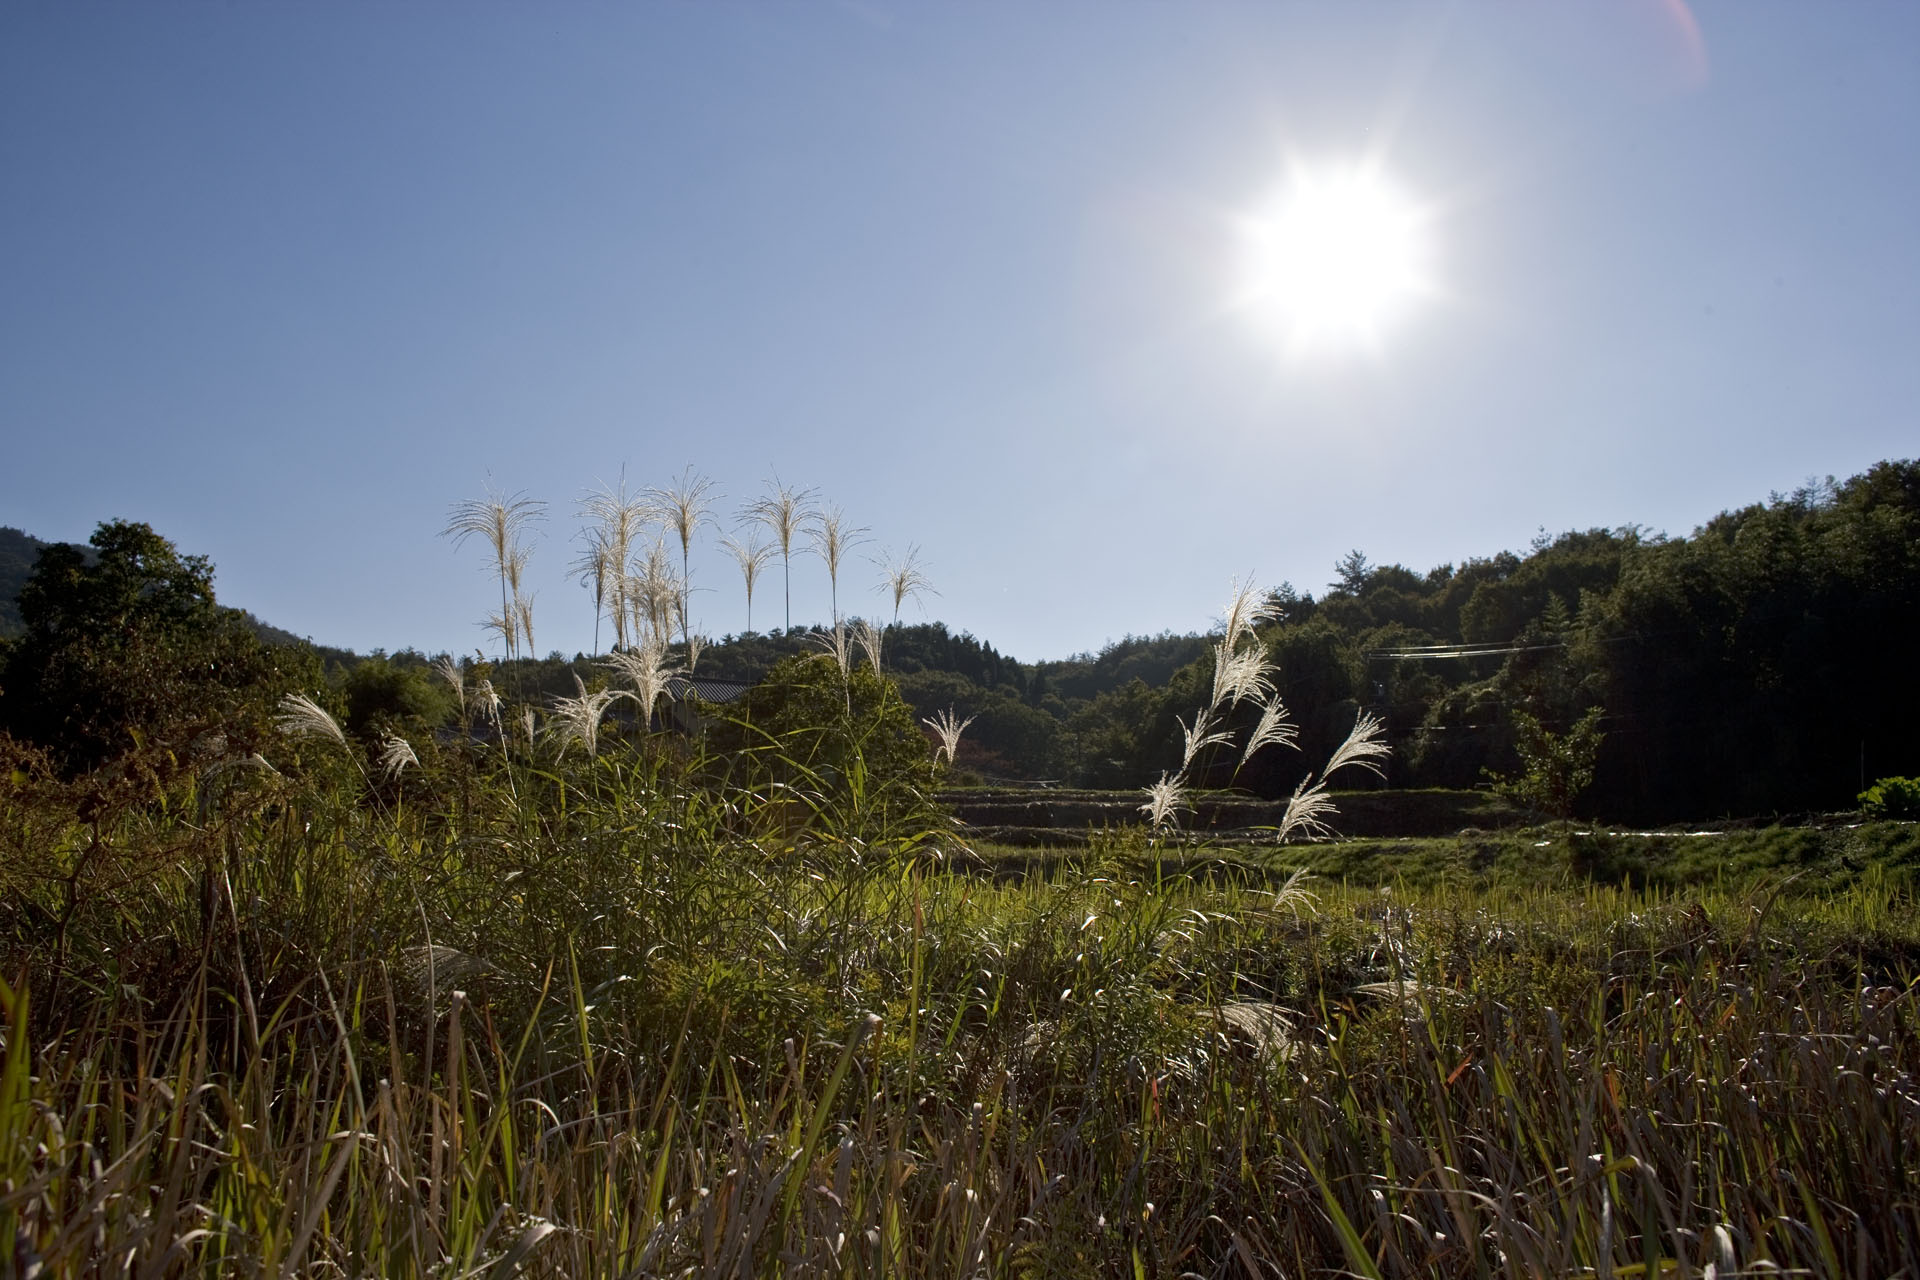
(1892, 798)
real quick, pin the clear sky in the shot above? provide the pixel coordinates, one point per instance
(1014, 282)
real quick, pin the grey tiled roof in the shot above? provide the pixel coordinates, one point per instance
(715, 691)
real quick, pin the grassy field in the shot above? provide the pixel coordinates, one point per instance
(519, 1009)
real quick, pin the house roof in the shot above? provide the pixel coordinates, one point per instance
(707, 690)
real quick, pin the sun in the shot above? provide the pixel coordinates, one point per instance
(1334, 258)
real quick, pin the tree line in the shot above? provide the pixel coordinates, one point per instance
(1763, 663)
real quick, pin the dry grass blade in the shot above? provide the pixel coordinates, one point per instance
(301, 717)
(948, 727)
(1364, 747)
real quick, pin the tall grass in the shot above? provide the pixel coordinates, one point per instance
(499, 520)
(528, 1009)
(786, 511)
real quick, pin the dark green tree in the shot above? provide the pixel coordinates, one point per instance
(1555, 768)
(131, 651)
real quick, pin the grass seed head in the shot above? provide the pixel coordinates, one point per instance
(1307, 812)
(1274, 728)
(577, 719)
(1365, 747)
(1165, 799)
(301, 717)
(1199, 735)
(948, 727)
(396, 753)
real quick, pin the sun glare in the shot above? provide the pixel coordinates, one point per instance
(1333, 259)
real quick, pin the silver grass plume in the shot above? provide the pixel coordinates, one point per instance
(488, 701)
(838, 645)
(646, 668)
(1240, 675)
(1246, 610)
(618, 518)
(785, 511)
(450, 671)
(1362, 748)
(1274, 728)
(526, 722)
(505, 625)
(682, 506)
(396, 753)
(1306, 812)
(866, 637)
(597, 571)
(578, 719)
(302, 717)
(498, 518)
(904, 578)
(523, 605)
(694, 645)
(654, 595)
(833, 537)
(1199, 736)
(948, 727)
(1165, 798)
(1294, 894)
(752, 557)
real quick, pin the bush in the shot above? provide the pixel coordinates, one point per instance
(846, 742)
(1892, 798)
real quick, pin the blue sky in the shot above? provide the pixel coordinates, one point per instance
(287, 281)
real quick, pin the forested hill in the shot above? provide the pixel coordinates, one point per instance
(1764, 663)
